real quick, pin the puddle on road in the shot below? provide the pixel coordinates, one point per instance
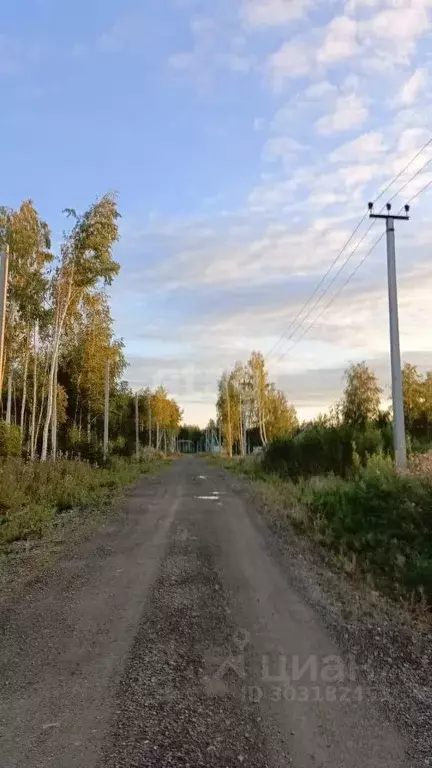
(214, 497)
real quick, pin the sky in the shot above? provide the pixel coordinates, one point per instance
(244, 139)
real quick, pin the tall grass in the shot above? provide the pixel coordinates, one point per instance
(380, 522)
(376, 522)
(32, 494)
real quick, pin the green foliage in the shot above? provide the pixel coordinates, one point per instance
(383, 520)
(10, 440)
(362, 395)
(417, 393)
(246, 390)
(32, 494)
(89, 245)
(321, 449)
(377, 523)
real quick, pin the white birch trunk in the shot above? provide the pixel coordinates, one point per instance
(24, 394)
(34, 404)
(60, 319)
(9, 398)
(54, 418)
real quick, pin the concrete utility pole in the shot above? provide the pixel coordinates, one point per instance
(4, 272)
(399, 438)
(137, 445)
(106, 413)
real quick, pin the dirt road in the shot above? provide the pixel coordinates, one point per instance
(173, 638)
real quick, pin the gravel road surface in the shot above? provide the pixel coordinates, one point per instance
(174, 637)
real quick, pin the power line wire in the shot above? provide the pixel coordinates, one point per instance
(348, 259)
(317, 287)
(333, 299)
(339, 255)
(355, 270)
(414, 176)
(423, 189)
(405, 168)
(332, 281)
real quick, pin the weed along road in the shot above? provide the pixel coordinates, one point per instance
(175, 637)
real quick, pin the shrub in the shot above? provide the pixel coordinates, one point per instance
(384, 519)
(10, 440)
(321, 449)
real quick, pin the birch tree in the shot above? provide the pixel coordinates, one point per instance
(86, 261)
(28, 239)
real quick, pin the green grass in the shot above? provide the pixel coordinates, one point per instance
(377, 524)
(33, 494)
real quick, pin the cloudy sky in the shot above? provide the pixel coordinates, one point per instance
(245, 138)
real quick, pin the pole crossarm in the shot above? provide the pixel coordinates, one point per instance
(388, 216)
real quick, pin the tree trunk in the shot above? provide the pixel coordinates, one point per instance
(34, 404)
(165, 439)
(9, 398)
(229, 429)
(54, 418)
(40, 417)
(88, 426)
(157, 436)
(264, 428)
(76, 412)
(80, 424)
(241, 430)
(60, 319)
(24, 393)
(14, 401)
(27, 431)
(42, 406)
(49, 410)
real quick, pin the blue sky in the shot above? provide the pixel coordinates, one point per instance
(245, 138)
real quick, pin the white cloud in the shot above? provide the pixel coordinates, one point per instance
(211, 51)
(355, 175)
(261, 264)
(352, 5)
(411, 140)
(182, 62)
(365, 146)
(235, 62)
(282, 147)
(349, 112)
(259, 124)
(412, 87)
(272, 13)
(340, 41)
(401, 26)
(320, 90)
(294, 59)
(127, 33)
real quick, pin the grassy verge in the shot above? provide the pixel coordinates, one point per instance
(377, 524)
(42, 506)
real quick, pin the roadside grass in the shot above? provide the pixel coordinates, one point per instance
(376, 525)
(45, 508)
(34, 494)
